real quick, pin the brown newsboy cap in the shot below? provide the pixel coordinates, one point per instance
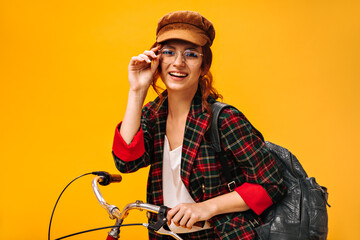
(185, 25)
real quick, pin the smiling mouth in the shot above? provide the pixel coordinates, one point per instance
(178, 74)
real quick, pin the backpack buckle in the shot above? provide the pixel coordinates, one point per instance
(254, 223)
(231, 186)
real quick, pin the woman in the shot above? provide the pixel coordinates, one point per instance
(170, 135)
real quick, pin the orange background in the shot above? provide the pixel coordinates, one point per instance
(291, 66)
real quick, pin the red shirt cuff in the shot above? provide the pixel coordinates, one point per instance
(255, 196)
(129, 152)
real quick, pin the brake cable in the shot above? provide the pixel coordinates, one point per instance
(96, 229)
(52, 214)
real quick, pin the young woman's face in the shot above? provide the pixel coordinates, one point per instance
(180, 65)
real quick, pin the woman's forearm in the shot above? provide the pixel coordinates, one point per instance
(132, 118)
(226, 203)
(141, 73)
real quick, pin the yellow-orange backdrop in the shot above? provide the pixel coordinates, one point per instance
(291, 66)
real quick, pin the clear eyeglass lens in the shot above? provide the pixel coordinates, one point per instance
(190, 56)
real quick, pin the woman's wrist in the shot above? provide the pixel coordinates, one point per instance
(229, 202)
(132, 118)
(211, 207)
(137, 96)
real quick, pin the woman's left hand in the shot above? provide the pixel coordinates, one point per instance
(187, 214)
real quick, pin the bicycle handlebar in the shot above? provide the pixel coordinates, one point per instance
(115, 213)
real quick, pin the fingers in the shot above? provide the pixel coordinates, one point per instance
(183, 215)
(156, 62)
(184, 221)
(191, 222)
(155, 49)
(150, 54)
(171, 213)
(137, 59)
(178, 217)
(146, 57)
(142, 68)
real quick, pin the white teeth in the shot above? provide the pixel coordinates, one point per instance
(177, 74)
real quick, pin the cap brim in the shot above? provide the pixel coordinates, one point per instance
(194, 36)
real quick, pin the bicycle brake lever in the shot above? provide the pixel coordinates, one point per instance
(170, 233)
(158, 226)
(164, 232)
(161, 221)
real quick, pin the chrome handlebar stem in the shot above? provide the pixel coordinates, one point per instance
(112, 210)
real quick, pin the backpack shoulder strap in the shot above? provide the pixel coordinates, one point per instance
(216, 108)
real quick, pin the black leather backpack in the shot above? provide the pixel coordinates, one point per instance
(302, 213)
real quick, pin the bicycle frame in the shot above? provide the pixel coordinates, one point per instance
(115, 213)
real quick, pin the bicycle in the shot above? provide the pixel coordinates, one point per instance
(104, 179)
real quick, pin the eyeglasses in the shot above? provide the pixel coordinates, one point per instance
(168, 55)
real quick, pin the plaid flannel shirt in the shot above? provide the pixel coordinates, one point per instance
(255, 174)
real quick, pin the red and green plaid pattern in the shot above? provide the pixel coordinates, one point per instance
(247, 156)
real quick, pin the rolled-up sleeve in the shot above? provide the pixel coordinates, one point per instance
(255, 196)
(128, 152)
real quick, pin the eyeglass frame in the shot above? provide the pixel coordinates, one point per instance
(182, 54)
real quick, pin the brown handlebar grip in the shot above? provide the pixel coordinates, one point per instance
(200, 224)
(116, 178)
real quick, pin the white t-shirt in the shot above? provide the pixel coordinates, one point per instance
(174, 190)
